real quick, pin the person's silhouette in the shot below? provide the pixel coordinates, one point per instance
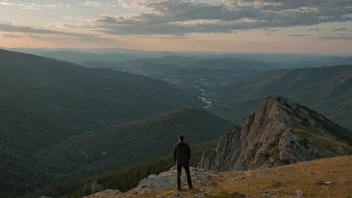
(182, 155)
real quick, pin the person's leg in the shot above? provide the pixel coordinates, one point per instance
(189, 179)
(179, 169)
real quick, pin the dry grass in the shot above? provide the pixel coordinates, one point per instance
(309, 177)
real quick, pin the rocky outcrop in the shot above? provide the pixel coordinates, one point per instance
(167, 180)
(280, 132)
(108, 192)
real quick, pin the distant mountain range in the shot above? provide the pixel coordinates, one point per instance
(325, 89)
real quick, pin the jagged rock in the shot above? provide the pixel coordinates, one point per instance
(280, 132)
(167, 180)
(208, 158)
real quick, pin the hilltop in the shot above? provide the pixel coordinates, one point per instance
(318, 178)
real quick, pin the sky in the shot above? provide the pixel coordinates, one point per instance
(265, 26)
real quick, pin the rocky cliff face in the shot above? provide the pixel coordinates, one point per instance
(280, 132)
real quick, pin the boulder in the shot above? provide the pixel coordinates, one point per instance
(167, 180)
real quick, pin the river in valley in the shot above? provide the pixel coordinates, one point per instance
(203, 98)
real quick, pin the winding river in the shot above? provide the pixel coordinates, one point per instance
(205, 100)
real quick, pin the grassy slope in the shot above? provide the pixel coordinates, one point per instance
(284, 181)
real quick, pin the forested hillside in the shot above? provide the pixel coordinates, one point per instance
(44, 102)
(126, 144)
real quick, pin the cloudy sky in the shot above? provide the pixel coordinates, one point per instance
(285, 26)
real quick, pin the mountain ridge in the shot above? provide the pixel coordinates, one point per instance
(280, 132)
(324, 89)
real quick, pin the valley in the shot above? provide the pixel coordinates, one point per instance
(62, 123)
(113, 98)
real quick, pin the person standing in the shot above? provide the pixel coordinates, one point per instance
(182, 156)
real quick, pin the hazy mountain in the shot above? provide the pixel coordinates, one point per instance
(85, 55)
(325, 89)
(189, 62)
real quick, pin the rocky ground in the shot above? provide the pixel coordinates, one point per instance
(330, 177)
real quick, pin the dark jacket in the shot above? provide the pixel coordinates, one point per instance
(182, 153)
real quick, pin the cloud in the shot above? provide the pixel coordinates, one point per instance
(270, 30)
(6, 3)
(313, 30)
(340, 29)
(11, 27)
(91, 4)
(51, 35)
(164, 37)
(36, 6)
(336, 38)
(74, 25)
(12, 35)
(299, 35)
(203, 16)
